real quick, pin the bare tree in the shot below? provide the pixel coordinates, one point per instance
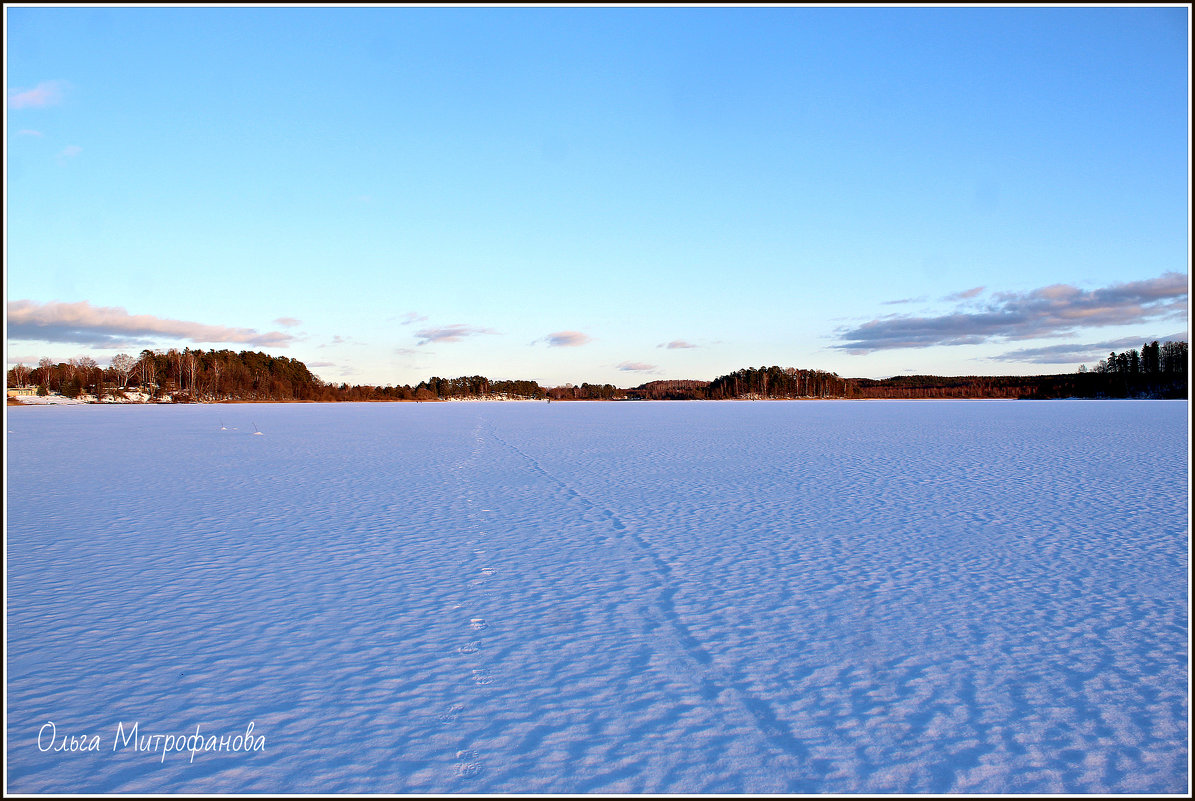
(86, 370)
(174, 360)
(20, 374)
(46, 369)
(123, 365)
(147, 369)
(190, 366)
(217, 368)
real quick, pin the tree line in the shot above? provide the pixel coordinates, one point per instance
(184, 375)
(1156, 371)
(1170, 358)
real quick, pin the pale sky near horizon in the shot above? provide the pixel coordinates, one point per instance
(599, 194)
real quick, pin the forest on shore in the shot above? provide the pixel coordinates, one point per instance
(214, 376)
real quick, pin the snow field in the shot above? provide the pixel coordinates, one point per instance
(655, 597)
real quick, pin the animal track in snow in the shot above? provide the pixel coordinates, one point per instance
(451, 714)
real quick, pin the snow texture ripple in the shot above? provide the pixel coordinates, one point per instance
(732, 597)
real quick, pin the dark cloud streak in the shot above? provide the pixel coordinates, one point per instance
(449, 333)
(1071, 353)
(966, 294)
(1050, 311)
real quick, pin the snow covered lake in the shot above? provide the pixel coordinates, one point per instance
(803, 597)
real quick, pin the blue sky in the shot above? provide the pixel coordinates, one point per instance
(599, 194)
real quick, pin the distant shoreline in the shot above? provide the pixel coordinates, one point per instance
(1157, 371)
(13, 402)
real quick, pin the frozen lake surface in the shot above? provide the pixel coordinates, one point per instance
(804, 597)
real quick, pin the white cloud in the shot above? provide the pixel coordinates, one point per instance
(567, 339)
(111, 327)
(449, 333)
(46, 93)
